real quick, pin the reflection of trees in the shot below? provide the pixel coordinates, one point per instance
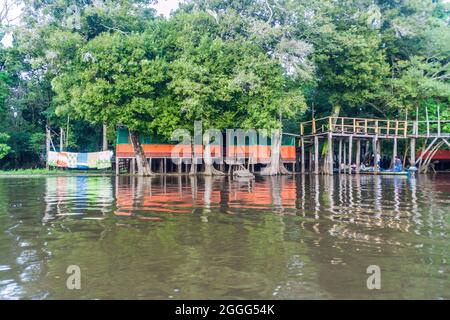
(261, 250)
(23, 246)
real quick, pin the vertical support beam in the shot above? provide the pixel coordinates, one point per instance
(105, 140)
(412, 156)
(302, 150)
(117, 165)
(340, 155)
(428, 122)
(358, 155)
(133, 166)
(310, 159)
(161, 165)
(316, 154)
(394, 151)
(375, 153)
(344, 150)
(330, 153)
(350, 144)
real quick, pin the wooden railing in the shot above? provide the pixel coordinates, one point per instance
(366, 126)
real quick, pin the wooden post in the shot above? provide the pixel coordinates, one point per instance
(310, 166)
(47, 144)
(302, 155)
(340, 155)
(375, 153)
(330, 153)
(314, 125)
(412, 156)
(394, 151)
(358, 155)
(117, 165)
(350, 143)
(316, 154)
(105, 140)
(428, 123)
(161, 166)
(133, 166)
(345, 156)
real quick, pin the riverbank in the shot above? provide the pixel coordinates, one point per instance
(50, 172)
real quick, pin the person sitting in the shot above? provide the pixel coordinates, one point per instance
(398, 166)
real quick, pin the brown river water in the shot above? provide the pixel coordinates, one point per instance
(291, 237)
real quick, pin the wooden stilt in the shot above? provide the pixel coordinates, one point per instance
(310, 166)
(345, 156)
(358, 154)
(394, 151)
(316, 154)
(412, 156)
(375, 153)
(340, 155)
(133, 166)
(350, 144)
(117, 165)
(330, 153)
(302, 164)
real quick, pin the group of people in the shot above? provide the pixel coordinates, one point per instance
(365, 167)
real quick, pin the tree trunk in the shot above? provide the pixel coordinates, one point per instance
(142, 163)
(209, 166)
(276, 166)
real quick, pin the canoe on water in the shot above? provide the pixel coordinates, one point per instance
(394, 173)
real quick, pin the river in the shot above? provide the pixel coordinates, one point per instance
(290, 237)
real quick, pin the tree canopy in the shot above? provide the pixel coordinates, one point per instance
(235, 63)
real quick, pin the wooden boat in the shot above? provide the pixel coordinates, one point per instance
(391, 173)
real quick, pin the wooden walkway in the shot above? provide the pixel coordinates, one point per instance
(349, 131)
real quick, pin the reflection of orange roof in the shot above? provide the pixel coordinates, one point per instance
(174, 200)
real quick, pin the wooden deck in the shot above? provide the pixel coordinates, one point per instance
(347, 131)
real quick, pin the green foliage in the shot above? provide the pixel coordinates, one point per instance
(4, 148)
(235, 63)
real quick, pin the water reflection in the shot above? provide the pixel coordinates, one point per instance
(214, 237)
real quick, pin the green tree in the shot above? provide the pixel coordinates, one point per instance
(4, 148)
